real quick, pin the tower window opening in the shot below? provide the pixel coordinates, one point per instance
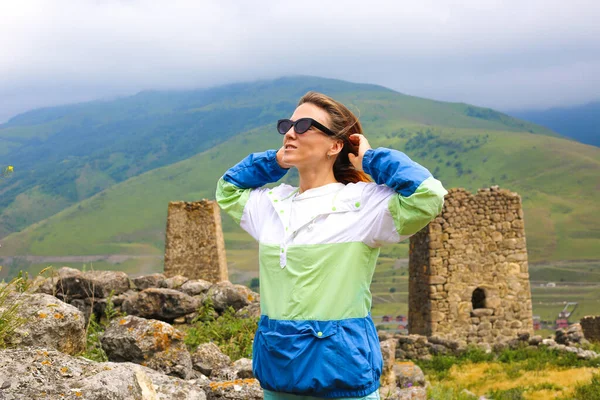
(478, 298)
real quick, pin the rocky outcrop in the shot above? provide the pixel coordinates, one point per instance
(36, 373)
(51, 323)
(151, 343)
(151, 296)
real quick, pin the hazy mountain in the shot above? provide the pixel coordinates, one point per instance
(581, 123)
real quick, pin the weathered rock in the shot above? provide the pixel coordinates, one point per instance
(96, 284)
(243, 368)
(238, 389)
(195, 287)
(174, 282)
(225, 294)
(208, 359)
(49, 374)
(163, 304)
(148, 281)
(388, 352)
(250, 295)
(252, 310)
(408, 374)
(535, 340)
(481, 312)
(51, 323)
(151, 343)
(411, 393)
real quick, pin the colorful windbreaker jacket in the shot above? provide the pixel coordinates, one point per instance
(315, 335)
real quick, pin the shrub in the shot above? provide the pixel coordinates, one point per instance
(232, 334)
(9, 310)
(95, 329)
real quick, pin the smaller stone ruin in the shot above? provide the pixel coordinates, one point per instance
(194, 245)
(469, 278)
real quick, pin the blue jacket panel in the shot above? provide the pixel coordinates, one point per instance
(256, 170)
(318, 358)
(394, 169)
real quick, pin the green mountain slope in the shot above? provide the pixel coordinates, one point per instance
(557, 179)
(63, 155)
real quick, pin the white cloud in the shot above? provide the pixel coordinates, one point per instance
(506, 54)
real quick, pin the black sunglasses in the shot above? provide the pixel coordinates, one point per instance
(301, 126)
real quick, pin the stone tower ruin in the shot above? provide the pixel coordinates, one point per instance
(194, 245)
(469, 278)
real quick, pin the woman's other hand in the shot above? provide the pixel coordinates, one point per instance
(362, 144)
(280, 158)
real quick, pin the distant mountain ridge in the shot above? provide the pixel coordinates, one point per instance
(67, 154)
(581, 123)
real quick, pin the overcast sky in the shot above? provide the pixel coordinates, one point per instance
(506, 55)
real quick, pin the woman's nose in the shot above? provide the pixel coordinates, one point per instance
(291, 133)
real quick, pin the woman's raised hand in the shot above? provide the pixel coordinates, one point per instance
(280, 158)
(362, 144)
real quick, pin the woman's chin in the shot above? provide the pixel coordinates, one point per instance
(289, 160)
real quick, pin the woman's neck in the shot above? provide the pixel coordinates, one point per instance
(310, 178)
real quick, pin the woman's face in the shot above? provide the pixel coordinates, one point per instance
(312, 146)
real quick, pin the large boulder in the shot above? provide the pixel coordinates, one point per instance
(151, 343)
(159, 303)
(92, 284)
(48, 374)
(49, 322)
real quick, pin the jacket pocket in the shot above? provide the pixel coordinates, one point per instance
(312, 357)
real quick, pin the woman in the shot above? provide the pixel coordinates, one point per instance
(318, 247)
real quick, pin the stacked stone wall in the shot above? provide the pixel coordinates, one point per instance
(469, 278)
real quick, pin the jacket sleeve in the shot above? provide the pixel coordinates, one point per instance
(240, 193)
(404, 200)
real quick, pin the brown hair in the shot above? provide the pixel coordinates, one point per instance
(344, 123)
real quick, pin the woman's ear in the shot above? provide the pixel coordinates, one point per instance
(336, 147)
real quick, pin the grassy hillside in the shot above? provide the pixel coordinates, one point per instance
(66, 154)
(557, 179)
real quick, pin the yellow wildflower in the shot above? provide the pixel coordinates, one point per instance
(10, 168)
